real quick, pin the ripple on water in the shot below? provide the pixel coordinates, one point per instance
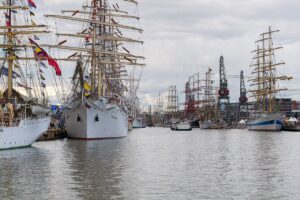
(155, 163)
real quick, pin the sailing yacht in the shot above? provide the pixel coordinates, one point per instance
(24, 110)
(96, 107)
(266, 115)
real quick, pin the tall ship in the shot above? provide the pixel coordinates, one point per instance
(266, 114)
(102, 46)
(24, 110)
(208, 103)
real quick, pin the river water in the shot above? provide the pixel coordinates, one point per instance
(155, 163)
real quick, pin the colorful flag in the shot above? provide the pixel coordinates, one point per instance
(6, 15)
(8, 23)
(31, 3)
(33, 42)
(40, 53)
(54, 64)
(42, 77)
(4, 71)
(16, 66)
(23, 86)
(43, 64)
(87, 87)
(62, 42)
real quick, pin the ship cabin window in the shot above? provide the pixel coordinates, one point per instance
(78, 118)
(97, 118)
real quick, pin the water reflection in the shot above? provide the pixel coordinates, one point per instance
(157, 164)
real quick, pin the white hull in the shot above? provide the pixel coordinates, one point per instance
(28, 131)
(205, 124)
(138, 123)
(90, 123)
(266, 124)
(183, 126)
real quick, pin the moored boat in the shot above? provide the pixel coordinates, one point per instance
(24, 108)
(266, 115)
(96, 107)
(267, 123)
(181, 126)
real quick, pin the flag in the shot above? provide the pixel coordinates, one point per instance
(31, 13)
(40, 53)
(36, 37)
(33, 42)
(42, 64)
(54, 64)
(77, 11)
(87, 87)
(32, 22)
(62, 42)
(16, 66)
(42, 77)
(4, 71)
(72, 55)
(31, 3)
(23, 86)
(6, 15)
(8, 23)
(43, 85)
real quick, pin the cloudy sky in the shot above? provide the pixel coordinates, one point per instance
(186, 37)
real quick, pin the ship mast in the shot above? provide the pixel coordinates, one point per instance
(265, 71)
(13, 45)
(10, 54)
(104, 54)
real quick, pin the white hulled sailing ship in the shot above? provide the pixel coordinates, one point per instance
(266, 115)
(96, 107)
(23, 117)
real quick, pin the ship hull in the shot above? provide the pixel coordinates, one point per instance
(90, 123)
(265, 124)
(205, 124)
(138, 123)
(24, 135)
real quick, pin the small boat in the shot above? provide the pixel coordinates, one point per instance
(291, 125)
(138, 123)
(242, 124)
(182, 126)
(205, 124)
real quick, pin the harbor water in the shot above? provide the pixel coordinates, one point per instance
(156, 163)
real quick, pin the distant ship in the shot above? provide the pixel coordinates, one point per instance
(96, 107)
(266, 115)
(24, 110)
(208, 109)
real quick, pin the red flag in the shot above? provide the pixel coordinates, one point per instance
(54, 64)
(8, 23)
(31, 3)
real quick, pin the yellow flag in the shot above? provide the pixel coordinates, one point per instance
(38, 50)
(87, 87)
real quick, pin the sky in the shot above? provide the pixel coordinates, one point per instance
(186, 37)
